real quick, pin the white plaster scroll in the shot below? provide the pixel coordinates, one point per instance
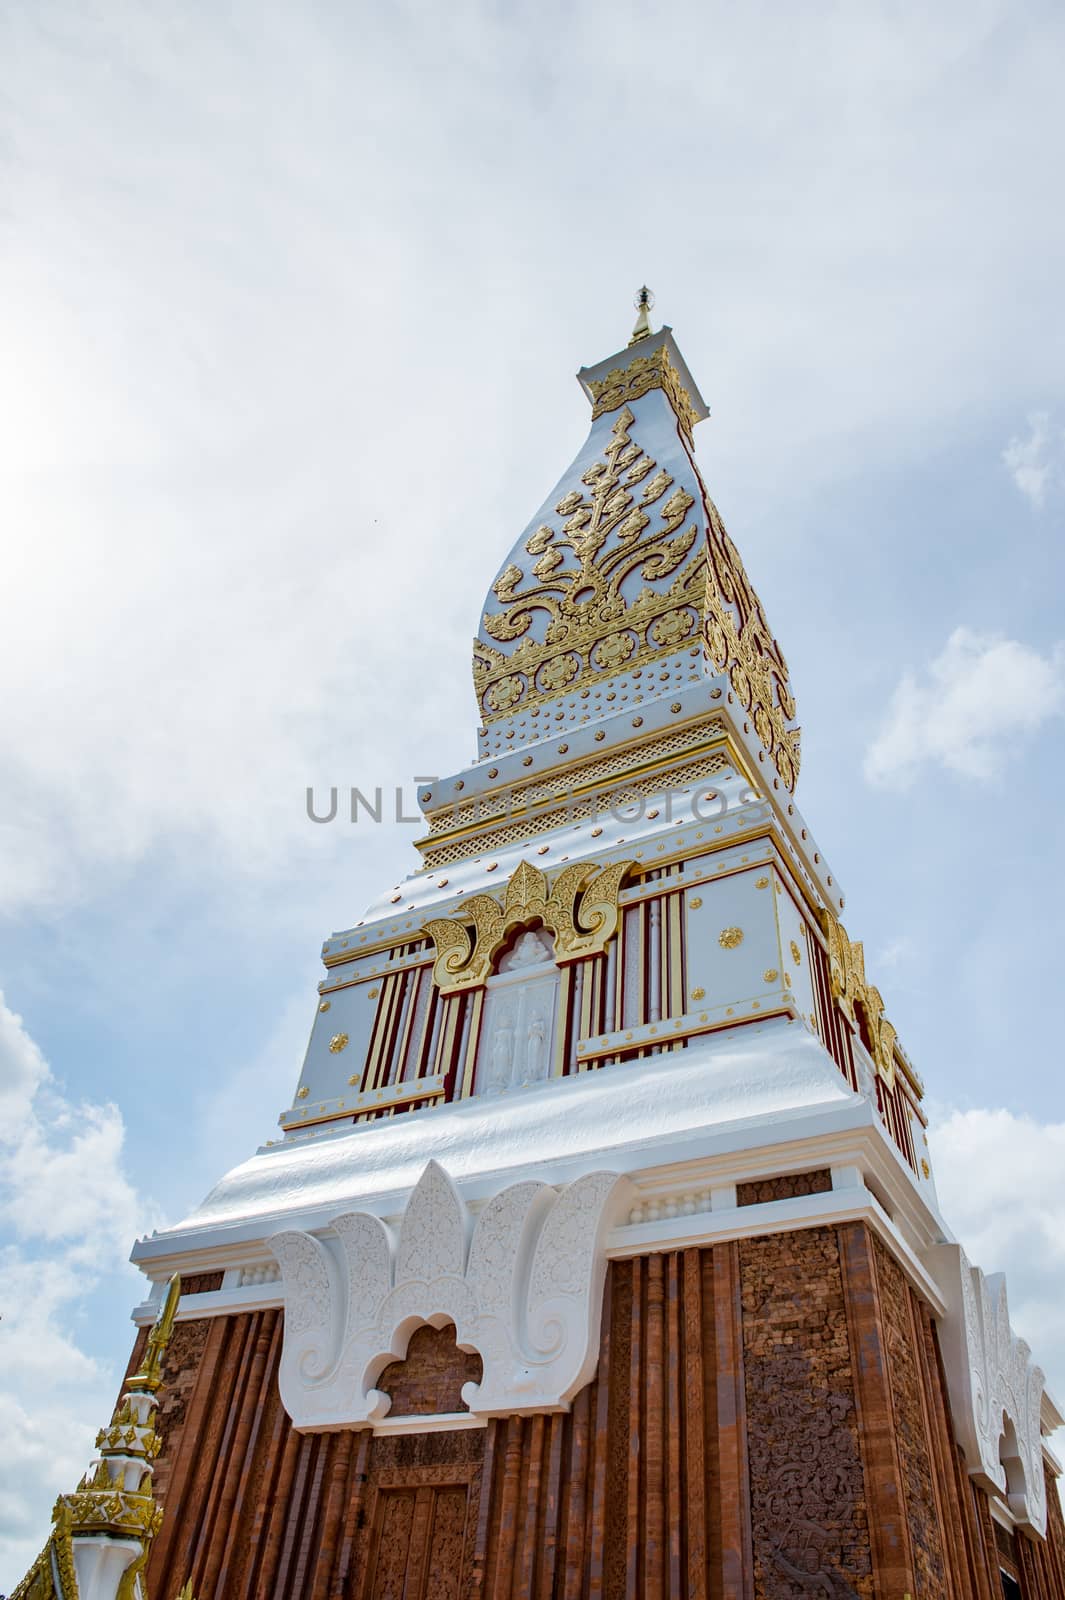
(526, 1298)
(432, 1240)
(312, 1303)
(995, 1389)
(368, 1259)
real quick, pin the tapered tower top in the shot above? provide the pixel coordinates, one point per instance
(624, 588)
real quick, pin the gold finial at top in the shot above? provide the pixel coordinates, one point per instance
(150, 1375)
(643, 302)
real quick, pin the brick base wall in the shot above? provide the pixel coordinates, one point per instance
(768, 1422)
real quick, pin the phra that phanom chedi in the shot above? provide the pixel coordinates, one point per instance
(600, 1255)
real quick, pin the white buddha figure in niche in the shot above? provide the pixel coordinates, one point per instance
(501, 1060)
(518, 1024)
(535, 1049)
(531, 950)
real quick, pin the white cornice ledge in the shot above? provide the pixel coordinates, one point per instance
(853, 1203)
(772, 1089)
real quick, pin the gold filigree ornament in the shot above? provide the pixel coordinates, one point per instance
(558, 673)
(637, 378)
(672, 629)
(338, 1042)
(575, 610)
(613, 651)
(580, 909)
(859, 999)
(503, 694)
(113, 1504)
(730, 938)
(584, 623)
(738, 641)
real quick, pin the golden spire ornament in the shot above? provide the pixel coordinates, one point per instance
(643, 302)
(102, 1533)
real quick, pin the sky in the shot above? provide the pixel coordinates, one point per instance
(291, 300)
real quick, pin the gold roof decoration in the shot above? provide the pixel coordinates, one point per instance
(626, 565)
(739, 641)
(860, 1000)
(621, 521)
(113, 1501)
(580, 909)
(637, 377)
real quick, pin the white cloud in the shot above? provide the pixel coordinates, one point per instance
(67, 1217)
(999, 1180)
(1035, 462)
(966, 712)
(291, 307)
(898, 952)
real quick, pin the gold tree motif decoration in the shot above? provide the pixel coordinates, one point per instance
(610, 529)
(580, 909)
(574, 616)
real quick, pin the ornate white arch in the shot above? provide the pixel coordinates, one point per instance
(996, 1390)
(523, 1286)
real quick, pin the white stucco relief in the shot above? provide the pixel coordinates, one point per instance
(996, 1390)
(518, 1030)
(523, 1284)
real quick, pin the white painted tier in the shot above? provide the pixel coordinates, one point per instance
(641, 1114)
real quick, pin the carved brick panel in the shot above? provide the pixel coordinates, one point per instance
(788, 1186)
(911, 1427)
(808, 1511)
(201, 1282)
(181, 1366)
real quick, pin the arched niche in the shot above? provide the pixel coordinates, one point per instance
(427, 1379)
(1009, 1455)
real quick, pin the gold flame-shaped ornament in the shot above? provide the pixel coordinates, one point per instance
(113, 1505)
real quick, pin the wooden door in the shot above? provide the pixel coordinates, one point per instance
(419, 1541)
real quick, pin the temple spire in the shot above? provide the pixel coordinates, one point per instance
(643, 302)
(102, 1533)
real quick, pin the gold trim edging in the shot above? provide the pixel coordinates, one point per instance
(638, 377)
(581, 910)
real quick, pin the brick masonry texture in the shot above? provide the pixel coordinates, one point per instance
(806, 1484)
(789, 1186)
(768, 1421)
(202, 1282)
(430, 1377)
(911, 1427)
